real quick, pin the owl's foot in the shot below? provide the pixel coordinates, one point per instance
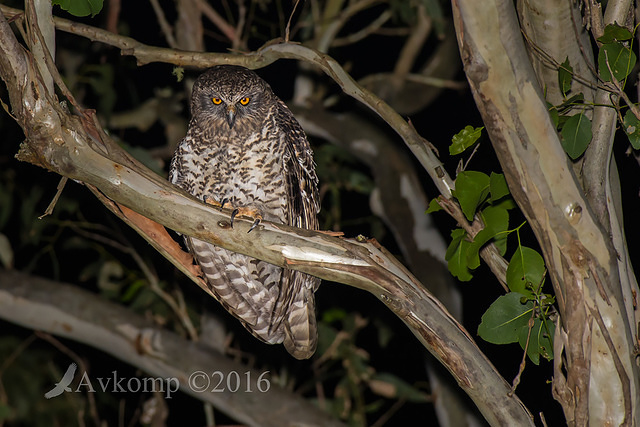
(252, 213)
(208, 200)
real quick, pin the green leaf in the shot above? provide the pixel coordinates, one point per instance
(464, 139)
(504, 320)
(576, 135)
(525, 271)
(179, 73)
(505, 202)
(133, 290)
(497, 187)
(456, 255)
(333, 315)
(621, 61)
(80, 7)
(496, 220)
(472, 188)
(613, 32)
(436, 15)
(565, 75)
(434, 206)
(632, 129)
(540, 340)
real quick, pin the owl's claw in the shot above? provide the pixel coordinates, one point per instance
(249, 213)
(255, 224)
(233, 215)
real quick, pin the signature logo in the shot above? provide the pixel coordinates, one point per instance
(63, 385)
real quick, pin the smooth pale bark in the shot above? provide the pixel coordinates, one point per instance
(595, 333)
(71, 312)
(73, 147)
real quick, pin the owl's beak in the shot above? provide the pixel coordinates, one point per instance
(231, 115)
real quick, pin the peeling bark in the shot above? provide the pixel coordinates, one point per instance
(75, 147)
(579, 253)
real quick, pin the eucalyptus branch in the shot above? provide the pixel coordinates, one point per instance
(261, 58)
(71, 312)
(71, 146)
(164, 24)
(218, 21)
(372, 28)
(271, 53)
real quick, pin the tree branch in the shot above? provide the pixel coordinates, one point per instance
(272, 52)
(77, 148)
(543, 184)
(70, 312)
(261, 58)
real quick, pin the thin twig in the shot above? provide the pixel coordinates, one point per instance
(388, 414)
(242, 18)
(16, 352)
(217, 20)
(164, 24)
(288, 27)
(113, 14)
(60, 187)
(416, 78)
(372, 28)
(523, 363)
(178, 307)
(50, 63)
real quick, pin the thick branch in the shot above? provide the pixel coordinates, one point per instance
(64, 145)
(580, 257)
(272, 52)
(261, 58)
(71, 312)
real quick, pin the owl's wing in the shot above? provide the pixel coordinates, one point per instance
(299, 171)
(296, 301)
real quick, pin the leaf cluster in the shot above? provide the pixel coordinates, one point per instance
(616, 61)
(523, 314)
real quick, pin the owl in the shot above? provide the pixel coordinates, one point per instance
(245, 150)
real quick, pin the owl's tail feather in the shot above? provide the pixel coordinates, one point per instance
(301, 333)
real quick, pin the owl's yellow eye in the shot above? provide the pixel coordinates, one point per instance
(216, 101)
(244, 101)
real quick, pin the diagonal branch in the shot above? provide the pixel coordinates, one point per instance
(76, 148)
(266, 55)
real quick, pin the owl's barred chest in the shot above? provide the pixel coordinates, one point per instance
(249, 174)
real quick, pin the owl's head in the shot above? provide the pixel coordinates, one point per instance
(230, 97)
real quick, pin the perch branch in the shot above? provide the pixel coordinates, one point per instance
(76, 147)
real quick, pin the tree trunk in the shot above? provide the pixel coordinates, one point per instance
(589, 268)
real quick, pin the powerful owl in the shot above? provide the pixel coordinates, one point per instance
(245, 150)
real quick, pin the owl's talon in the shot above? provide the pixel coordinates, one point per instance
(255, 224)
(224, 202)
(233, 215)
